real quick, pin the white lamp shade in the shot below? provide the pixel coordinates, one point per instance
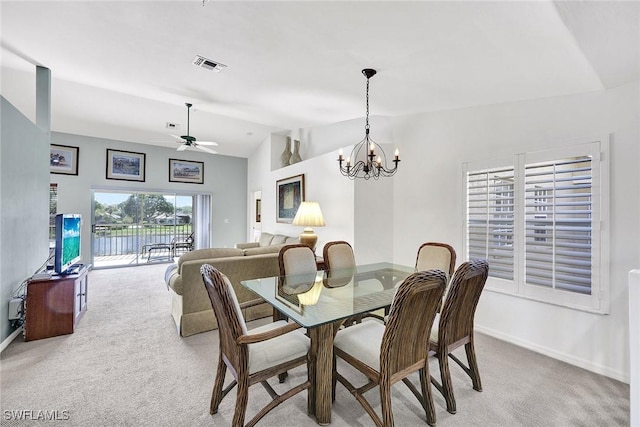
(309, 215)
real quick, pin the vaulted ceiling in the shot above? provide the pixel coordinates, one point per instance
(123, 69)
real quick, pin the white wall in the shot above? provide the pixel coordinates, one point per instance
(429, 195)
(423, 202)
(24, 203)
(373, 219)
(324, 139)
(333, 192)
(224, 177)
(356, 211)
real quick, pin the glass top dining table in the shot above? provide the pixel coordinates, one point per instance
(319, 301)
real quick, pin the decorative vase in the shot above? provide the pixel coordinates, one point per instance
(286, 154)
(295, 157)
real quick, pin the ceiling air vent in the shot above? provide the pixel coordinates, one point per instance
(203, 62)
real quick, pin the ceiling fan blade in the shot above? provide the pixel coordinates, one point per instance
(208, 150)
(187, 140)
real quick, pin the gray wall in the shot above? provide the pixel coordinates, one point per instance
(24, 199)
(225, 178)
(24, 204)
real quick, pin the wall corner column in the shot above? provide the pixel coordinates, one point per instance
(43, 99)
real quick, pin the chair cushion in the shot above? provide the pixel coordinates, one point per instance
(299, 260)
(236, 305)
(362, 341)
(340, 256)
(434, 329)
(265, 354)
(434, 257)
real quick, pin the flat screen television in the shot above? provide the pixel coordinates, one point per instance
(67, 252)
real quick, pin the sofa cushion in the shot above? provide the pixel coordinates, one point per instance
(278, 239)
(292, 241)
(262, 250)
(209, 254)
(265, 239)
(191, 307)
(247, 245)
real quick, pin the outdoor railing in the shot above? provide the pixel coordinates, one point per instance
(125, 239)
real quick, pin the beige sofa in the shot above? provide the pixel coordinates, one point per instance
(190, 305)
(268, 239)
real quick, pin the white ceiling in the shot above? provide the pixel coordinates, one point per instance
(122, 69)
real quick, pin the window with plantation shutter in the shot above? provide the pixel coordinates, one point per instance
(558, 224)
(490, 220)
(537, 219)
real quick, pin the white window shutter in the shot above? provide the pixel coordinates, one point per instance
(490, 219)
(541, 221)
(558, 224)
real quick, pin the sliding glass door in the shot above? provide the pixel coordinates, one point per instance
(130, 228)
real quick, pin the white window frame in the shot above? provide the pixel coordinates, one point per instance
(599, 300)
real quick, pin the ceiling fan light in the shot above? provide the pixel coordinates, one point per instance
(190, 141)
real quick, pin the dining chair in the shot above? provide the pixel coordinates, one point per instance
(296, 260)
(340, 263)
(454, 327)
(251, 356)
(439, 256)
(338, 254)
(388, 354)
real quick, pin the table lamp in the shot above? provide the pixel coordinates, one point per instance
(309, 215)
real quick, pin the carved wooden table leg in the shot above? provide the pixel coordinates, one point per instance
(322, 353)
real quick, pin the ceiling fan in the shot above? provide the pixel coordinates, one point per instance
(190, 141)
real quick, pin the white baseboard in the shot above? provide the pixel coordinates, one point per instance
(10, 338)
(572, 360)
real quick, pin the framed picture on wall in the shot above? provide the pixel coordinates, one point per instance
(289, 194)
(125, 165)
(63, 159)
(186, 171)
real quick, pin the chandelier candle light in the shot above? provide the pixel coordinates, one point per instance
(367, 159)
(309, 215)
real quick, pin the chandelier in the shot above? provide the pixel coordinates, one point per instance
(367, 159)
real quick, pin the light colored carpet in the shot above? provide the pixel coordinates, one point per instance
(127, 366)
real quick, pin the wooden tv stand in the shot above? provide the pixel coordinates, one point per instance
(55, 305)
